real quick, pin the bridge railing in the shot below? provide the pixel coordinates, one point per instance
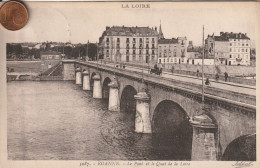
(181, 85)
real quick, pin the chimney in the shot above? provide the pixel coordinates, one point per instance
(155, 28)
(107, 27)
(221, 33)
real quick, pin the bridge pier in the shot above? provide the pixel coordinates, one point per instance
(142, 118)
(78, 76)
(204, 138)
(113, 104)
(86, 82)
(97, 90)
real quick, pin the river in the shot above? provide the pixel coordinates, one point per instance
(57, 120)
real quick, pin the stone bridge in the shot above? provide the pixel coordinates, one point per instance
(210, 129)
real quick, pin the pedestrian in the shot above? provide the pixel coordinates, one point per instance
(172, 69)
(207, 82)
(217, 76)
(198, 72)
(226, 76)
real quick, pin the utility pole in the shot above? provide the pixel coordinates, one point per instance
(87, 52)
(142, 60)
(97, 56)
(203, 67)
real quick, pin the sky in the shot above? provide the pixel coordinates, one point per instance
(80, 22)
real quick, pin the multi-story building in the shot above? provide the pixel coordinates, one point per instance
(172, 51)
(228, 48)
(129, 44)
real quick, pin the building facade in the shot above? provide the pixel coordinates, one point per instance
(172, 51)
(129, 44)
(229, 48)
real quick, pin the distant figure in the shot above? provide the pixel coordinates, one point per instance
(207, 82)
(217, 76)
(198, 72)
(172, 69)
(226, 76)
(155, 66)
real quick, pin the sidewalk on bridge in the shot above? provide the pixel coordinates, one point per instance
(223, 82)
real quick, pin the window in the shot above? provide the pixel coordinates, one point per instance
(147, 51)
(230, 56)
(140, 51)
(127, 51)
(153, 52)
(230, 49)
(133, 45)
(127, 40)
(230, 44)
(107, 51)
(133, 40)
(118, 39)
(152, 45)
(133, 51)
(117, 51)
(107, 39)
(141, 40)
(242, 50)
(246, 50)
(160, 54)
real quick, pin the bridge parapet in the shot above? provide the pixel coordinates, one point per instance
(224, 98)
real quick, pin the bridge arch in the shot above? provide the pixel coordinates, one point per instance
(172, 132)
(242, 148)
(127, 100)
(105, 88)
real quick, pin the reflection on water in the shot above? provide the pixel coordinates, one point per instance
(57, 120)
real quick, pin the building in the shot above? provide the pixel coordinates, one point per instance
(129, 44)
(50, 55)
(172, 51)
(228, 48)
(49, 59)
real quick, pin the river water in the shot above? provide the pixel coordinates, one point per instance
(58, 120)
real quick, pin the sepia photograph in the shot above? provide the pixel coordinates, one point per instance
(119, 83)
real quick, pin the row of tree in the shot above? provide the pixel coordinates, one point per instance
(16, 51)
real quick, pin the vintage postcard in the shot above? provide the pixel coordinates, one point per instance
(129, 84)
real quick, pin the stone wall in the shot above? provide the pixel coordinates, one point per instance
(68, 71)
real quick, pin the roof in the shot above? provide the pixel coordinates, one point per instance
(234, 35)
(226, 36)
(167, 41)
(129, 31)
